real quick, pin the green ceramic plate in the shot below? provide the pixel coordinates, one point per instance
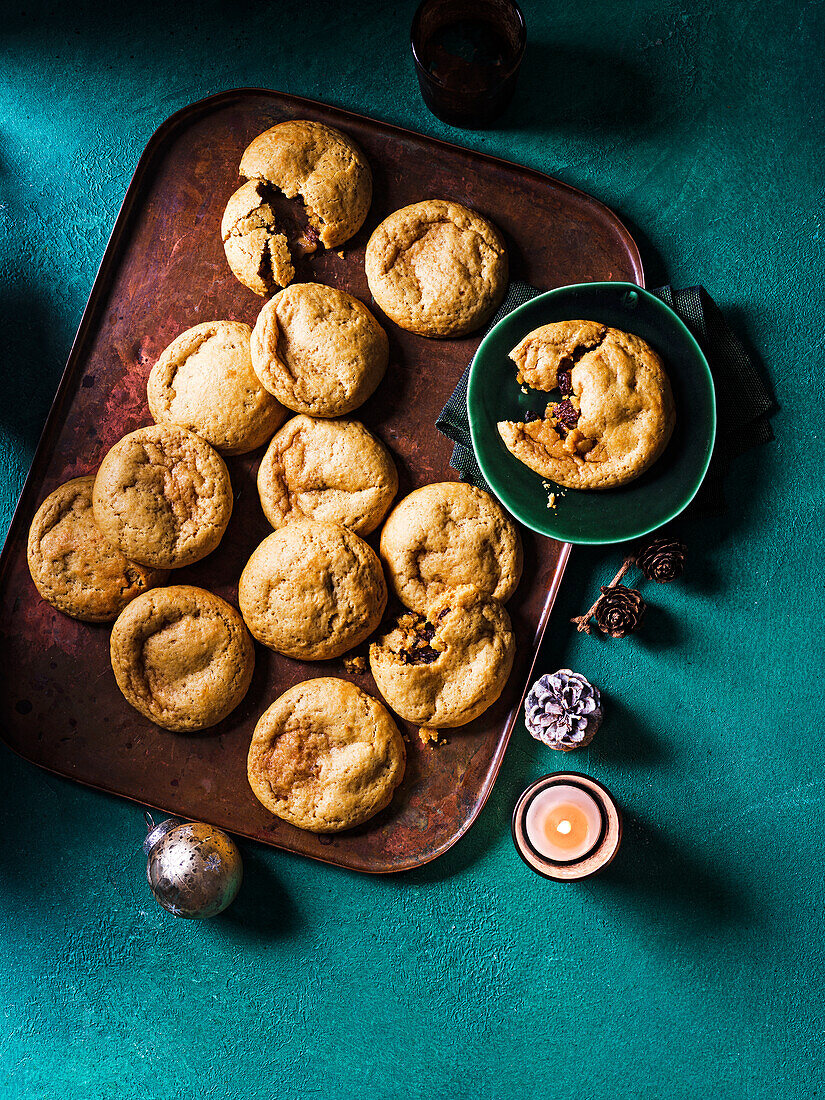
(609, 515)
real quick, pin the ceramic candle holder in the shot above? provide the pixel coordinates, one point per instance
(592, 809)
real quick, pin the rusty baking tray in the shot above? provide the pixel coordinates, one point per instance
(164, 270)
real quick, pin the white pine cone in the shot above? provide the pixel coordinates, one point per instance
(563, 710)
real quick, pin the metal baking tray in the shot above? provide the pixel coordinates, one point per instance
(164, 270)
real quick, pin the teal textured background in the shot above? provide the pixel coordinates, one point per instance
(695, 965)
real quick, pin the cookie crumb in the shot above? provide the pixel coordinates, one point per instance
(524, 389)
(340, 255)
(428, 735)
(551, 501)
(355, 664)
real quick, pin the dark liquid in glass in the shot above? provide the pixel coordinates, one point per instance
(470, 54)
(467, 54)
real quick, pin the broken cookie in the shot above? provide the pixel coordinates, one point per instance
(320, 165)
(445, 668)
(616, 415)
(256, 247)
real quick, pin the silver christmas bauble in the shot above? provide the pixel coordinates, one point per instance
(194, 870)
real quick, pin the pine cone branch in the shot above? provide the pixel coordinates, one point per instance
(583, 621)
(619, 610)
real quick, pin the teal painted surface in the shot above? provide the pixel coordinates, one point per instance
(695, 967)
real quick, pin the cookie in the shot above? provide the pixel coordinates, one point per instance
(333, 470)
(616, 413)
(325, 756)
(318, 350)
(449, 534)
(322, 166)
(204, 381)
(312, 591)
(74, 568)
(162, 495)
(182, 657)
(257, 249)
(437, 268)
(445, 668)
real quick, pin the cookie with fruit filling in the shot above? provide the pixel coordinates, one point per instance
(616, 413)
(447, 667)
(255, 243)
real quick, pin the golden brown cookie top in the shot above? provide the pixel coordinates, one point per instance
(615, 414)
(332, 470)
(318, 350)
(182, 657)
(325, 756)
(322, 165)
(73, 566)
(204, 381)
(437, 268)
(312, 590)
(255, 244)
(446, 535)
(445, 668)
(546, 350)
(163, 496)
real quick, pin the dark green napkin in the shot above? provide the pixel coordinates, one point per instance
(743, 401)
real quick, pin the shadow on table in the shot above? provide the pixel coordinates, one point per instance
(458, 859)
(262, 908)
(664, 883)
(625, 739)
(653, 264)
(33, 367)
(571, 86)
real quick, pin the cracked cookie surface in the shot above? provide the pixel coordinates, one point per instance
(322, 166)
(73, 566)
(447, 668)
(257, 249)
(182, 657)
(437, 268)
(312, 590)
(162, 495)
(325, 756)
(318, 350)
(616, 415)
(333, 470)
(446, 535)
(204, 381)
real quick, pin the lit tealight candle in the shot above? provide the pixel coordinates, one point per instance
(567, 826)
(564, 823)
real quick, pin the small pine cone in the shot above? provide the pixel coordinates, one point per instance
(563, 709)
(620, 610)
(663, 560)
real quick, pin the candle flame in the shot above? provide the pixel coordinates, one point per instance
(564, 827)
